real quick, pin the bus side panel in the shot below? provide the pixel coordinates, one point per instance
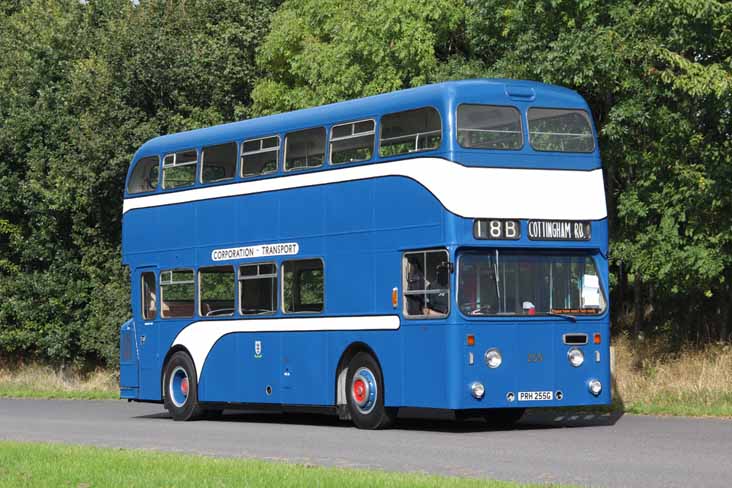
(238, 370)
(426, 364)
(220, 380)
(305, 379)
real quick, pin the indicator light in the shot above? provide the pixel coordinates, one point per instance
(394, 297)
(597, 339)
(471, 340)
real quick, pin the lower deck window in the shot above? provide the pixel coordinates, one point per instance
(427, 284)
(177, 292)
(258, 289)
(302, 286)
(216, 291)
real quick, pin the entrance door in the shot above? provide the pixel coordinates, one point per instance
(145, 306)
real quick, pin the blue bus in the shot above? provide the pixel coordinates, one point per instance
(441, 247)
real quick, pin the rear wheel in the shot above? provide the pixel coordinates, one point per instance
(181, 388)
(365, 394)
(503, 417)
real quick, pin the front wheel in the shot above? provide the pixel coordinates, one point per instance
(365, 394)
(181, 388)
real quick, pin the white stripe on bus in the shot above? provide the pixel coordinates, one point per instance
(200, 337)
(470, 192)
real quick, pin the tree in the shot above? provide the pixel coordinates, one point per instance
(82, 86)
(321, 52)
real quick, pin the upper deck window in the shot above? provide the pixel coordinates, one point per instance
(410, 131)
(352, 142)
(260, 156)
(560, 130)
(179, 169)
(489, 127)
(145, 176)
(218, 163)
(304, 149)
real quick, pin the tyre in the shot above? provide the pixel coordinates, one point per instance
(365, 394)
(503, 417)
(180, 395)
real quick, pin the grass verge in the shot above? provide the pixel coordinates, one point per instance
(32, 464)
(36, 381)
(652, 378)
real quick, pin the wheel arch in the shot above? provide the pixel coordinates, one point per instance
(168, 355)
(342, 369)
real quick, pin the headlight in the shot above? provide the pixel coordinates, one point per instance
(595, 387)
(576, 357)
(493, 358)
(477, 389)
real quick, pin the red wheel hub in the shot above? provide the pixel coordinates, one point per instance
(359, 391)
(184, 386)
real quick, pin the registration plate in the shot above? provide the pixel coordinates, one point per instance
(534, 396)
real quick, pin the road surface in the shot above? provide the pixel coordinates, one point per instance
(591, 450)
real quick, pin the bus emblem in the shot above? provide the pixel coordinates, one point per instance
(257, 349)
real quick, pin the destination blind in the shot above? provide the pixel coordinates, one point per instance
(559, 230)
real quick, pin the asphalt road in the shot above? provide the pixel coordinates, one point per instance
(583, 450)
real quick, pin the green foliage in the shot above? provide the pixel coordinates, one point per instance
(325, 51)
(82, 85)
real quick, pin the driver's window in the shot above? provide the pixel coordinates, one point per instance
(426, 284)
(149, 296)
(216, 291)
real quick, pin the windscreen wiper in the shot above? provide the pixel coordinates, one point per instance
(571, 318)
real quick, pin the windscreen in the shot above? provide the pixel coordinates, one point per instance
(501, 283)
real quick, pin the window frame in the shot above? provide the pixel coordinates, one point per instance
(381, 129)
(199, 272)
(331, 139)
(520, 121)
(282, 287)
(406, 292)
(278, 150)
(240, 278)
(306, 168)
(175, 165)
(162, 298)
(158, 185)
(202, 157)
(589, 121)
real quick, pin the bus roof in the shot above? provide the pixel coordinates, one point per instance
(498, 91)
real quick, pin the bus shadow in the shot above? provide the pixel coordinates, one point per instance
(430, 421)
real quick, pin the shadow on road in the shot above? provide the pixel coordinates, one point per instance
(417, 420)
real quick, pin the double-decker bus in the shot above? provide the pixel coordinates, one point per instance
(441, 247)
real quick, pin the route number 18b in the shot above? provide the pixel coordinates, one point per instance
(497, 229)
